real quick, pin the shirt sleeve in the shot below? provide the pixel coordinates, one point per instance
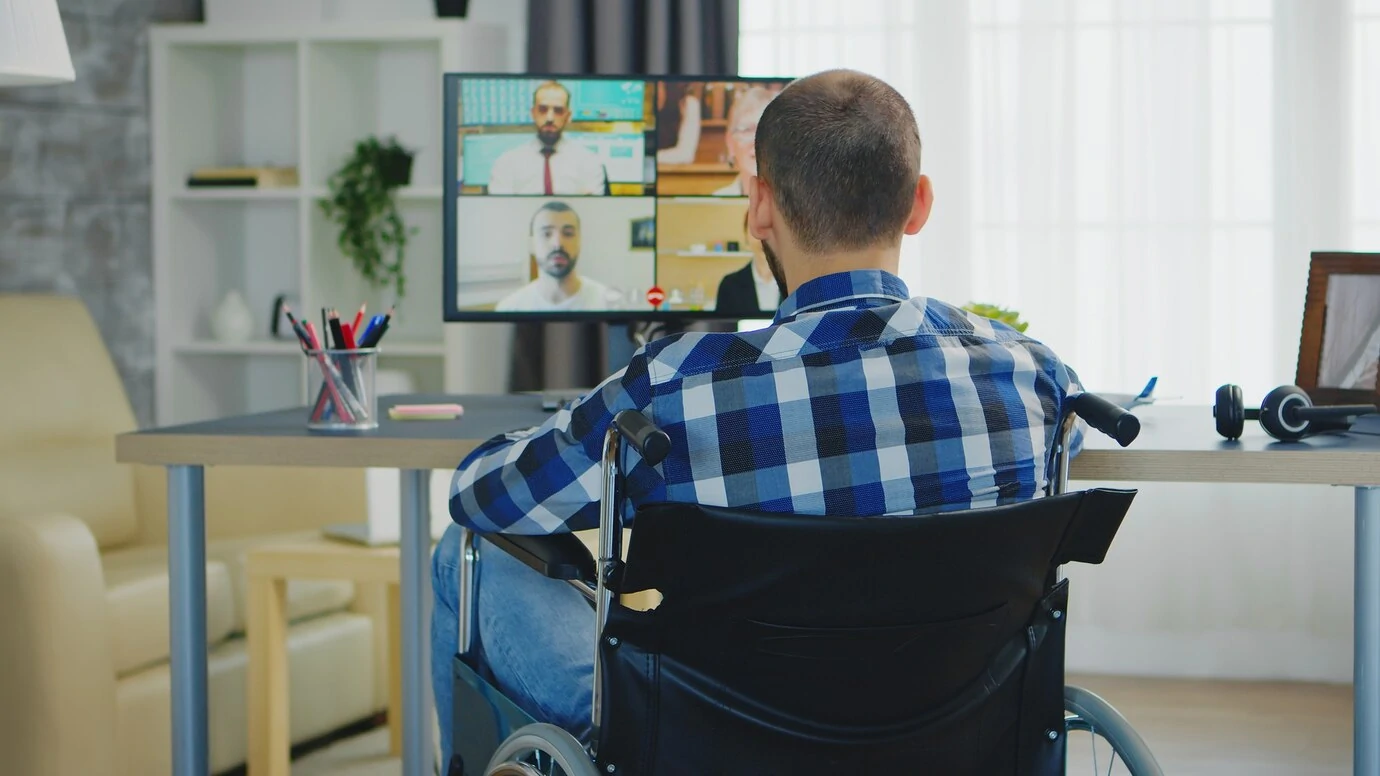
(595, 176)
(1072, 385)
(549, 479)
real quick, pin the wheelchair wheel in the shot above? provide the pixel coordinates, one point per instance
(1088, 718)
(541, 749)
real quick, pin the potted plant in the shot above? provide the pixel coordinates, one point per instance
(1009, 317)
(362, 205)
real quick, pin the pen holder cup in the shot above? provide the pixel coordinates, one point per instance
(340, 387)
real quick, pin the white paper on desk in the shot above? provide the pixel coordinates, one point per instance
(1367, 424)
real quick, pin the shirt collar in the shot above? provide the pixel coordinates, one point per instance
(536, 144)
(843, 290)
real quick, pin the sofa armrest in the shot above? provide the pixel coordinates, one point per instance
(56, 675)
(246, 501)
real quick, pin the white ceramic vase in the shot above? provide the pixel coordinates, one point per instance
(233, 321)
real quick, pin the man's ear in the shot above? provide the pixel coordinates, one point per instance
(920, 210)
(760, 223)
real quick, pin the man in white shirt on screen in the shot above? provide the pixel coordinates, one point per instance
(555, 238)
(548, 164)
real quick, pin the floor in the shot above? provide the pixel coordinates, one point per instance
(1195, 728)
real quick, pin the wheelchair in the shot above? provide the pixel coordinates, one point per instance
(795, 644)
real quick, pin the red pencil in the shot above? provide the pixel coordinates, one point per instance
(341, 408)
(359, 318)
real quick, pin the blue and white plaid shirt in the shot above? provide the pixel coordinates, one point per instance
(857, 400)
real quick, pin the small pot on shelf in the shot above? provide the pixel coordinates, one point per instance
(395, 167)
(452, 9)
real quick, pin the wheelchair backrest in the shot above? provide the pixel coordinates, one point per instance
(851, 632)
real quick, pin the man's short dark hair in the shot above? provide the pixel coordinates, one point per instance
(544, 85)
(551, 207)
(841, 152)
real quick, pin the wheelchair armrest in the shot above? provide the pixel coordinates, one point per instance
(558, 556)
(1089, 534)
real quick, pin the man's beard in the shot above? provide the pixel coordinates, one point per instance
(548, 136)
(558, 272)
(774, 265)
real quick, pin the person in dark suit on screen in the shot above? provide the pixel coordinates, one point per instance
(749, 292)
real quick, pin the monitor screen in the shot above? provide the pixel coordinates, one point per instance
(602, 197)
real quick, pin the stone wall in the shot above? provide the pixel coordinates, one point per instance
(74, 180)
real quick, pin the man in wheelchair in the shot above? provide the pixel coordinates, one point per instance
(860, 399)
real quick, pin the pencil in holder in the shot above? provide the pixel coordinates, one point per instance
(341, 388)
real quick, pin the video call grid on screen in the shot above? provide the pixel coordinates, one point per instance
(573, 197)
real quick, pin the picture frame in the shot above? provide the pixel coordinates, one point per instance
(1339, 345)
(644, 234)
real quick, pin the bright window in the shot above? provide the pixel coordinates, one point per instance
(1110, 167)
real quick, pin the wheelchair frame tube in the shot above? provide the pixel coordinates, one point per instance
(610, 552)
(1059, 462)
(465, 570)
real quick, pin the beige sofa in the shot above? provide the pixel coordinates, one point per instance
(83, 573)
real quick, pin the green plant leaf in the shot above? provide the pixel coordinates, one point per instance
(1009, 317)
(363, 207)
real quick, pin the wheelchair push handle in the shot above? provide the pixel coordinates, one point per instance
(1106, 417)
(649, 441)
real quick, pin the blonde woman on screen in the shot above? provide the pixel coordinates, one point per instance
(741, 135)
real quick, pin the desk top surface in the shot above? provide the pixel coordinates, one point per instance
(1176, 444)
(281, 437)
(1180, 444)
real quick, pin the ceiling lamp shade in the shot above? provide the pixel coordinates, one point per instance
(33, 48)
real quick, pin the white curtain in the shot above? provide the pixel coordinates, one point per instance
(1142, 180)
(1364, 99)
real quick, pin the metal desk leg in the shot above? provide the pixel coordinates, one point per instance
(1366, 670)
(187, 615)
(416, 592)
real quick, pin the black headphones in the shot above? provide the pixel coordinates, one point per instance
(1287, 414)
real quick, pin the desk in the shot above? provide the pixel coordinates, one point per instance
(281, 439)
(1182, 449)
(694, 179)
(1182, 445)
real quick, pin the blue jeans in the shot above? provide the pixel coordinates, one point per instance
(535, 634)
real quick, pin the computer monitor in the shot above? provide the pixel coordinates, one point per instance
(612, 198)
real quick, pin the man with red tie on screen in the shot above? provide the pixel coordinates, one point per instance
(548, 164)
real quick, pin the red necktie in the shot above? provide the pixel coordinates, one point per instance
(546, 152)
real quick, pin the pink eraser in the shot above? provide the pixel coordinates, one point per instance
(427, 409)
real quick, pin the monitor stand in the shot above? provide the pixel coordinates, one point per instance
(625, 338)
(619, 345)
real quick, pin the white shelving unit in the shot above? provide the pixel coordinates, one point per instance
(293, 95)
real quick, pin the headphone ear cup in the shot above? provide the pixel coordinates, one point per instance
(1274, 413)
(1230, 411)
